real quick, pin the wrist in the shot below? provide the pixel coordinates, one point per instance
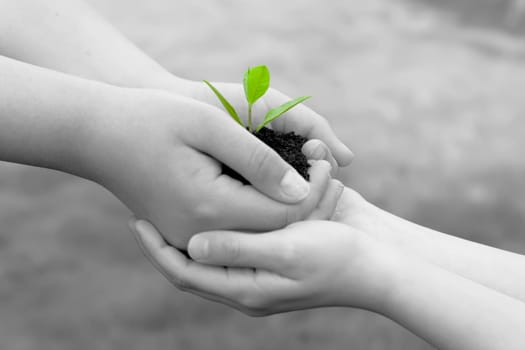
(399, 282)
(355, 211)
(378, 274)
(121, 131)
(94, 139)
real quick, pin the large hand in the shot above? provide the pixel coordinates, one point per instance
(300, 119)
(157, 154)
(306, 265)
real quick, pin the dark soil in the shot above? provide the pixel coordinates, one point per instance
(288, 146)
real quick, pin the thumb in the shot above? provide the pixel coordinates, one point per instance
(229, 143)
(232, 249)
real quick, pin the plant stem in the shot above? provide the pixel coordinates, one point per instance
(250, 117)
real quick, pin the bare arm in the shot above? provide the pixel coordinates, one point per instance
(494, 268)
(69, 36)
(44, 116)
(157, 152)
(452, 312)
(319, 263)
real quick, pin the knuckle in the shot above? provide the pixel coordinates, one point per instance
(318, 121)
(232, 248)
(260, 158)
(205, 212)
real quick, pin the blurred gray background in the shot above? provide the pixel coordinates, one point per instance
(429, 95)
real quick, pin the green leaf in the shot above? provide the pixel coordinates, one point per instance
(225, 103)
(276, 112)
(256, 83)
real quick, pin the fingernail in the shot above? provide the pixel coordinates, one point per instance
(199, 248)
(294, 185)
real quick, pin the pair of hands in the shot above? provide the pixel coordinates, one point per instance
(168, 147)
(312, 263)
(175, 150)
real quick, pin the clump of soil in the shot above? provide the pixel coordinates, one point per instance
(287, 145)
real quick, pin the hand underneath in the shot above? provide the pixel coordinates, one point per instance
(305, 265)
(352, 209)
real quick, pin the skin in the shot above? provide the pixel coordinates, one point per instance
(494, 268)
(294, 268)
(71, 37)
(454, 293)
(62, 142)
(165, 171)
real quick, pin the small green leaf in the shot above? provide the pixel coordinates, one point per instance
(225, 103)
(276, 112)
(256, 83)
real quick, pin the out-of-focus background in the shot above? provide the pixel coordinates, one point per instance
(428, 93)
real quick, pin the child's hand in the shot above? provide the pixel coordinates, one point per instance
(306, 265)
(157, 153)
(352, 209)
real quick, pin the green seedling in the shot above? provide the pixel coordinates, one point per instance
(256, 82)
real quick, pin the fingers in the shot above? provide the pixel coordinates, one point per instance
(186, 274)
(247, 209)
(154, 247)
(268, 251)
(326, 208)
(317, 150)
(262, 166)
(240, 288)
(265, 250)
(309, 124)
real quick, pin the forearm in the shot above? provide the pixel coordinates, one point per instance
(45, 117)
(69, 36)
(452, 312)
(495, 268)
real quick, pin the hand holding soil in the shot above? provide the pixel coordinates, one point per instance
(288, 145)
(162, 155)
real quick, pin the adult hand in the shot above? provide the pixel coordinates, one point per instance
(300, 119)
(158, 153)
(305, 265)
(62, 32)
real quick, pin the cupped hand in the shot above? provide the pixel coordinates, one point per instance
(305, 265)
(159, 153)
(300, 119)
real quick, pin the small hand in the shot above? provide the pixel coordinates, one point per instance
(306, 265)
(352, 209)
